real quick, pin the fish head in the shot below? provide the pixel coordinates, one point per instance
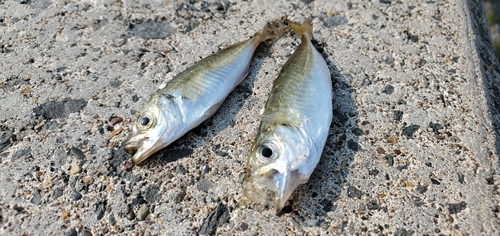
(157, 126)
(278, 163)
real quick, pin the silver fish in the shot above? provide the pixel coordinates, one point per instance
(191, 97)
(294, 126)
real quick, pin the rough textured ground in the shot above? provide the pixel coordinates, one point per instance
(413, 147)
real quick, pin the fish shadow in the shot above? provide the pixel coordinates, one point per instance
(223, 118)
(317, 197)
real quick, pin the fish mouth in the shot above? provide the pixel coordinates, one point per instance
(269, 188)
(139, 151)
(131, 147)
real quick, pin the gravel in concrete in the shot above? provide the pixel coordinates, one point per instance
(413, 148)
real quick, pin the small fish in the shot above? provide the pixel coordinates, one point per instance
(192, 96)
(294, 126)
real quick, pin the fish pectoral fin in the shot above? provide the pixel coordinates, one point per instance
(190, 93)
(170, 97)
(244, 201)
(284, 119)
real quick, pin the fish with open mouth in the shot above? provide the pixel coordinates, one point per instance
(192, 96)
(294, 126)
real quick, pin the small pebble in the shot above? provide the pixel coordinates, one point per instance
(180, 169)
(88, 181)
(205, 169)
(455, 208)
(131, 215)
(178, 195)
(435, 181)
(26, 91)
(151, 193)
(440, 137)
(358, 131)
(389, 159)
(37, 198)
(402, 167)
(138, 201)
(130, 177)
(143, 213)
(135, 193)
(116, 132)
(79, 185)
(75, 169)
(64, 215)
(241, 178)
(112, 219)
(76, 196)
(393, 139)
(59, 37)
(100, 210)
(373, 172)
(353, 192)
(47, 183)
(128, 165)
(380, 150)
(243, 226)
(135, 98)
(398, 115)
(204, 185)
(389, 89)
(18, 208)
(115, 120)
(410, 130)
(77, 153)
(421, 189)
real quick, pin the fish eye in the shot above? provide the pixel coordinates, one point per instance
(266, 152)
(146, 121)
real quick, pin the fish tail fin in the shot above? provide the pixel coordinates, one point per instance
(304, 30)
(274, 29)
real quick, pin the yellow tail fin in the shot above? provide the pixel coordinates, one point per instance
(304, 30)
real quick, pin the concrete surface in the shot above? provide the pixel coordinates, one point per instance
(413, 148)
